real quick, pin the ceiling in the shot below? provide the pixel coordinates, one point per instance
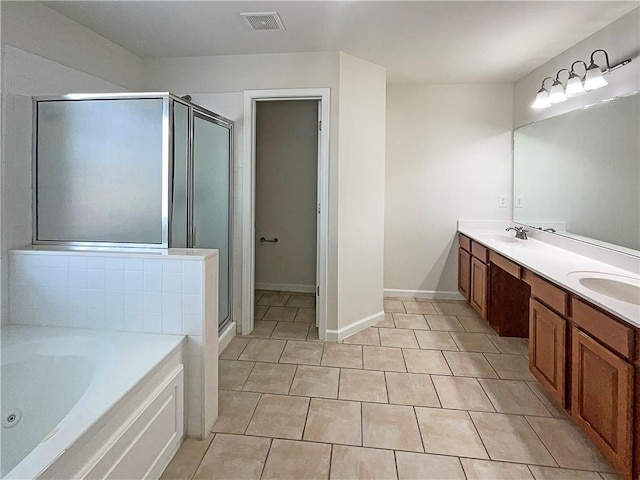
(418, 41)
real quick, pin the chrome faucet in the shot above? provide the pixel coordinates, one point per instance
(521, 233)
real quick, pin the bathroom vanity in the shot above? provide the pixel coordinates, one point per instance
(584, 333)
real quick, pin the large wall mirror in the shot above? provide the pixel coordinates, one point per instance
(579, 173)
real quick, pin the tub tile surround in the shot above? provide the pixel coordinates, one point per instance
(554, 257)
(347, 417)
(171, 291)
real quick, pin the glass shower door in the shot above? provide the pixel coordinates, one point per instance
(211, 199)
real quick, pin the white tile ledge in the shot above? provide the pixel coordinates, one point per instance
(162, 253)
(555, 264)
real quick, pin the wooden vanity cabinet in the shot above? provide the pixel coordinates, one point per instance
(479, 278)
(508, 309)
(464, 266)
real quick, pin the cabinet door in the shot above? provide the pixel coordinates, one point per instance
(464, 273)
(478, 297)
(547, 341)
(601, 399)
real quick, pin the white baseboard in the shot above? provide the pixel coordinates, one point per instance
(286, 287)
(426, 294)
(344, 332)
(224, 338)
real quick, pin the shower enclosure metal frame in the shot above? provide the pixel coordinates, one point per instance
(168, 102)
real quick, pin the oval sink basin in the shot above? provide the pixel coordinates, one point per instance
(503, 239)
(619, 287)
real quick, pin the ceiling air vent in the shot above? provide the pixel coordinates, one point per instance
(263, 21)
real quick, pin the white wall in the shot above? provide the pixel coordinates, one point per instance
(361, 190)
(620, 39)
(448, 158)
(286, 194)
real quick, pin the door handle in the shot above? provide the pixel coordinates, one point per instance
(265, 240)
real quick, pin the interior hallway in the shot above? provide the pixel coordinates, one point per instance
(430, 393)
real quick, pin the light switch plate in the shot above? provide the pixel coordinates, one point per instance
(502, 201)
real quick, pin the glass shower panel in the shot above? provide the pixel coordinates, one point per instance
(99, 171)
(180, 186)
(211, 196)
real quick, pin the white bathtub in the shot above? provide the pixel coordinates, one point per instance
(89, 404)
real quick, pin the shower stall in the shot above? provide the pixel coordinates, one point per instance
(133, 170)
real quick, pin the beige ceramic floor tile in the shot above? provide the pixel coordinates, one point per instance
(262, 329)
(263, 350)
(425, 466)
(511, 345)
(349, 463)
(340, 355)
(232, 374)
(510, 367)
(235, 410)
(410, 320)
(234, 456)
(487, 470)
(449, 432)
(387, 322)
(411, 389)
(259, 311)
(279, 416)
(435, 340)
(390, 426)
(469, 364)
(512, 396)
(274, 299)
(186, 460)
(394, 306)
(302, 353)
(444, 323)
(362, 385)
(549, 473)
(234, 349)
(334, 421)
(368, 336)
(425, 361)
(312, 336)
(459, 309)
(297, 460)
(291, 331)
(549, 403)
(316, 382)
(394, 337)
(257, 295)
(568, 445)
(270, 378)
(475, 324)
(383, 358)
(611, 476)
(474, 342)
(461, 393)
(510, 438)
(306, 315)
(281, 314)
(420, 307)
(303, 301)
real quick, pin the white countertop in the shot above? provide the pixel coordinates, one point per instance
(556, 265)
(165, 253)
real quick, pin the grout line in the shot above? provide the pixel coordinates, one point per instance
(541, 440)
(213, 435)
(415, 415)
(264, 465)
(479, 436)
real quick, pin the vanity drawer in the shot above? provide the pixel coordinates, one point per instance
(464, 242)
(609, 331)
(547, 293)
(480, 252)
(506, 265)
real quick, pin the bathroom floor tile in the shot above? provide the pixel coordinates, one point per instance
(291, 331)
(279, 416)
(397, 338)
(306, 315)
(262, 329)
(460, 393)
(368, 336)
(263, 350)
(469, 364)
(512, 396)
(458, 309)
(390, 426)
(510, 367)
(334, 421)
(425, 361)
(474, 342)
(303, 301)
(444, 323)
(348, 463)
(510, 438)
(412, 466)
(419, 307)
(316, 382)
(234, 456)
(550, 473)
(435, 340)
(411, 389)
(232, 374)
(387, 322)
(476, 324)
(488, 470)
(511, 345)
(234, 349)
(341, 355)
(259, 311)
(550, 404)
(394, 306)
(362, 385)
(302, 353)
(270, 378)
(383, 358)
(186, 460)
(410, 320)
(274, 299)
(235, 410)
(312, 336)
(289, 459)
(281, 314)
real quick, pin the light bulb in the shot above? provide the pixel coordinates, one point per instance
(574, 86)
(542, 99)
(594, 79)
(556, 95)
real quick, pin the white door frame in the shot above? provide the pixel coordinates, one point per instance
(248, 165)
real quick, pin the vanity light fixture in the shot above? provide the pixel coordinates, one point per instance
(576, 85)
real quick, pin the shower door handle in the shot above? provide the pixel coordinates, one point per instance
(264, 240)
